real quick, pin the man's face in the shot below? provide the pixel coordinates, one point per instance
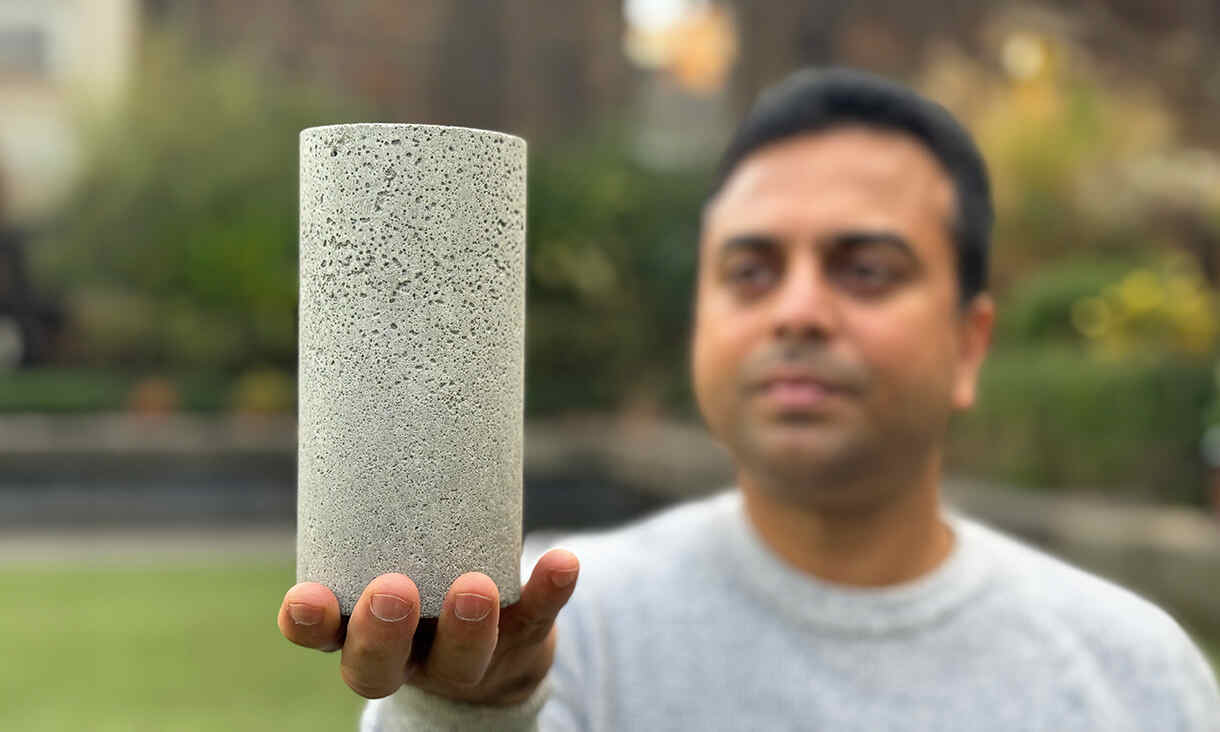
(828, 339)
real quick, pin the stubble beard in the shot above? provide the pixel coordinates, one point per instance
(821, 474)
(850, 469)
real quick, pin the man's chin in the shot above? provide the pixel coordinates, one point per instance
(797, 449)
(819, 473)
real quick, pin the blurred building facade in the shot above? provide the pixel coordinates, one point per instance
(58, 59)
(543, 70)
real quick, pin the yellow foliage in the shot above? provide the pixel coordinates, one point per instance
(263, 391)
(1166, 308)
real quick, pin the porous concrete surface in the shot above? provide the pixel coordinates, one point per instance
(411, 380)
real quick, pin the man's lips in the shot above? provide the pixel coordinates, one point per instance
(796, 391)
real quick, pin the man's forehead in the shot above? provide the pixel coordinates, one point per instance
(891, 168)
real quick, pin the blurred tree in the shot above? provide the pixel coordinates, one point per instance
(178, 246)
(612, 252)
(1104, 239)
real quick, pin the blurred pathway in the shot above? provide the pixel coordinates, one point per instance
(149, 545)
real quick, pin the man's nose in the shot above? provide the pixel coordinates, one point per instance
(805, 306)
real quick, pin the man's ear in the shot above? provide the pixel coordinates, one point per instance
(974, 338)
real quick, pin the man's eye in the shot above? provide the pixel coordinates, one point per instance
(866, 272)
(867, 276)
(750, 274)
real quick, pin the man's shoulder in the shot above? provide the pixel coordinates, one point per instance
(1057, 585)
(1112, 622)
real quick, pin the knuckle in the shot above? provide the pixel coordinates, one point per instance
(464, 679)
(368, 652)
(519, 688)
(536, 631)
(526, 631)
(536, 672)
(467, 649)
(521, 684)
(548, 648)
(367, 688)
(460, 667)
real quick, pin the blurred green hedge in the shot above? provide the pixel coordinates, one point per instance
(1037, 310)
(1054, 418)
(177, 251)
(68, 390)
(1060, 408)
(612, 248)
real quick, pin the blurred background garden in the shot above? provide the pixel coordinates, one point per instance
(148, 294)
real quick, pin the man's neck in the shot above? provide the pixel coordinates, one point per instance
(896, 541)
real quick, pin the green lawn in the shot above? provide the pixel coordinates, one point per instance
(127, 648)
(166, 649)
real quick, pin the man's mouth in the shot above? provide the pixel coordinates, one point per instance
(793, 392)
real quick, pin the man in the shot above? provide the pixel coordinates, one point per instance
(841, 317)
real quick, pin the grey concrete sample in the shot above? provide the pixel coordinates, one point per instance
(411, 380)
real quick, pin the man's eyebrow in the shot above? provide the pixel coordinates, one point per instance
(747, 241)
(852, 239)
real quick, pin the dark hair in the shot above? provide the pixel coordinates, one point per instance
(811, 100)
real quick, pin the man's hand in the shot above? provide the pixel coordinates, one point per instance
(481, 653)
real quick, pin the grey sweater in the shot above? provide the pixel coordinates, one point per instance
(687, 621)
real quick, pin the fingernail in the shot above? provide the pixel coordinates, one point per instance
(563, 577)
(471, 607)
(303, 614)
(389, 608)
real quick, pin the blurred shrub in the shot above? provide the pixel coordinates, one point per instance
(1054, 418)
(263, 391)
(153, 395)
(178, 247)
(611, 268)
(1038, 309)
(1117, 307)
(1100, 379)
(63, 390)
(80, 389)
(1167, 308)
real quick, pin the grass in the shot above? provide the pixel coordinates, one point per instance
(167, 649)
(125, 648)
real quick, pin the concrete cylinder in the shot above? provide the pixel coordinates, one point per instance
(411, 362)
